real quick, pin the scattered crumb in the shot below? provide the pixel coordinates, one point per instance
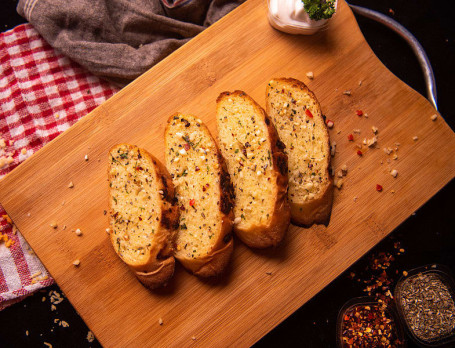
(24, 151)
(104, 212)
(43, 299)
(344, 169)
(434, 117)
(348, 92)
(26, 333)
(14, 229)
(355, 199)
(338, 183)
(374, 129)
(365, 115)
(394, 173)
(47, 344)
(53, 224)
(78, 232)
(329, 123)
(64, 227)
(71, 185)
(360, 83)
(405, 273)
(395, 156)
(310, 75)
(8, 219)
(372, 142)
(76, 263)
(268, 273)
(392, 191)
(64, 323)
(63, 203)
(86, 157)
(36, 274)
(28, 214)
(108, 230)
(339, 132)
(340, 174)
(53, 308)
(193, 338)
(356, 131)
(333, 148)
(160, 321)
(90, 337)
(415, 138)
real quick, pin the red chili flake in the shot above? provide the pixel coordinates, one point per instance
(308, 113)
(360, 153)
(350, 137)
(186, 146)
(140, 219)
(139, 168)
(196, 169)
(378, 188)
(192, 201)
(359, 112)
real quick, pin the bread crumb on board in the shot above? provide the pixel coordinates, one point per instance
(70, 185)
(394, 173)
(76, 263)
(310, 75)
(348, 92)
(90, 337)
(86, 157)
(415, 138)
(53, 224)
(160, 321)
(434, 117)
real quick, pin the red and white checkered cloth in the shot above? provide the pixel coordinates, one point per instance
(42, 93)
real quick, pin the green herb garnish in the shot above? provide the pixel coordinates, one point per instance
(319, 9)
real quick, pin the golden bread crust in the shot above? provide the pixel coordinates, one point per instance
(271, 235)
(214, 263)
(318, 209)
(159, 267)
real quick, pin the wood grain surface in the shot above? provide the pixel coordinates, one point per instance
(260, 288)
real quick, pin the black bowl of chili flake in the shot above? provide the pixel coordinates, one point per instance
(425, 299)
(363, 322)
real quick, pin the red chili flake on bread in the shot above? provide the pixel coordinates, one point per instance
(192, 201)
(186, 146)
(308, 113)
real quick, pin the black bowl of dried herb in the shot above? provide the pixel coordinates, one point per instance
(425, 299)
(363, 322)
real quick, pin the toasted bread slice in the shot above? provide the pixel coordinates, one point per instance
(298, 119)
(205, 196)
(143, 213)
(258, 168)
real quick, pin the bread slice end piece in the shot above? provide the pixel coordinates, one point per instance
(156, 266)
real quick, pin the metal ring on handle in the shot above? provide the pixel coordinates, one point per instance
(422, 57)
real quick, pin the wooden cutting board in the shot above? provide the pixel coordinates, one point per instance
(241, 51)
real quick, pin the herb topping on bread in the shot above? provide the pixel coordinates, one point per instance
(258, 168)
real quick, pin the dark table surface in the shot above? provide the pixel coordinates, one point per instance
(427, 237)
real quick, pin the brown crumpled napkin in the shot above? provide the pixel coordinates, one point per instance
(121, 39)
